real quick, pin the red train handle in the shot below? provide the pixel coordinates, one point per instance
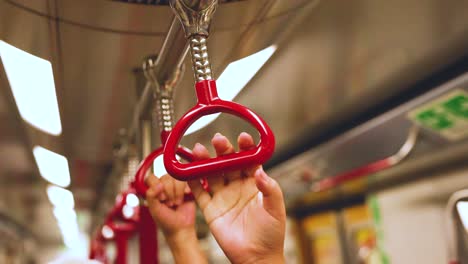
(210, 103)
(116, 211)
(122, 227)
(140, 184)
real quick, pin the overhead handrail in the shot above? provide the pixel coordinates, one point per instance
(451, 225)
(196, 19)
(402, 153)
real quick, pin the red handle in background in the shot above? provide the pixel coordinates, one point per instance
(122, 232)
(148, 238)
(210, 103)
(332, 182)
(142, 222)
(116, 211)
(147, 227)
(98, 251)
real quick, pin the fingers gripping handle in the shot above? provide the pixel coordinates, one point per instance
(140, 184)
(145, 165)
(210, 103)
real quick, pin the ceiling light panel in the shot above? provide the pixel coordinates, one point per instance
(52, 166)
(60, 197)
(32, 84)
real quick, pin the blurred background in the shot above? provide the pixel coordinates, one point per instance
(368, 101)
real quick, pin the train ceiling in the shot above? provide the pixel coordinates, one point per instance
(335, 59)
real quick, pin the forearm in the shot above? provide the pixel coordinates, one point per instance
(185, 247)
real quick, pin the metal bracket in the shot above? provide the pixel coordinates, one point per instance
(195, 15)
(163, 94)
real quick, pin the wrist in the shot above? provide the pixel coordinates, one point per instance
(185, 247)
(180, 238)
(277, 258)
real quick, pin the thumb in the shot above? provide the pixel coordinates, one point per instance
(273, 201)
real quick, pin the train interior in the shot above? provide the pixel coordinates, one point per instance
(367, 101)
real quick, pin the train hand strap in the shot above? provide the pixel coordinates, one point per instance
(210, 103)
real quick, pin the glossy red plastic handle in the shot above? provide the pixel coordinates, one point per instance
(97, 250)
(145, 165)
(210, 103)
(116, 211)
(122, 233)
(122, 227)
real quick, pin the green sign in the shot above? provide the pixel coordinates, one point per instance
(446, 115)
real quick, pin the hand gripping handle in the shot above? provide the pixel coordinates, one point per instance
(140, 184)
(210, 103)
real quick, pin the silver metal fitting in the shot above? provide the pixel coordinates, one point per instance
(195, 15)
(163, 114)
(200, 59)
(148, 69)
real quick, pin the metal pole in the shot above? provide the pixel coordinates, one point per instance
(167, 66)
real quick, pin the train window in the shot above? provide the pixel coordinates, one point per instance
(32, 83)
(52, 166)
(158, 166)
(462, 209)
(233, 79)
(238, 73)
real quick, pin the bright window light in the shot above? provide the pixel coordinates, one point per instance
(233, 79)
(239, 73)
(158, 166)
(52, 166)
(60, 197)
(462, 208)
(32, 83)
